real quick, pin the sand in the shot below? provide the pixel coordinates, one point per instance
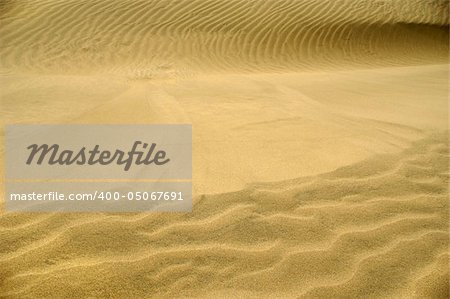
(320, 146)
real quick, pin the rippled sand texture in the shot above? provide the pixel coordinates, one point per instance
(320, 164)
(147, 39)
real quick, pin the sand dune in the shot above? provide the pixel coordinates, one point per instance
(153, 39)
(378, 228)
(320, 163)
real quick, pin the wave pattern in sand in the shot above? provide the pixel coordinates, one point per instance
(376, 229)
(159, 38)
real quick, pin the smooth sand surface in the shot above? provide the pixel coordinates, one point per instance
(320, 146)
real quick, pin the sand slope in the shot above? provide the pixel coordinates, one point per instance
(148, 39)
(320, 146)
(376, 229)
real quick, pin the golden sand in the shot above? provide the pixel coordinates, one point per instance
(320, 146)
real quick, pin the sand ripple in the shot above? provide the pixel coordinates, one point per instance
(275, 90)
(373, 229)
(159, 38)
